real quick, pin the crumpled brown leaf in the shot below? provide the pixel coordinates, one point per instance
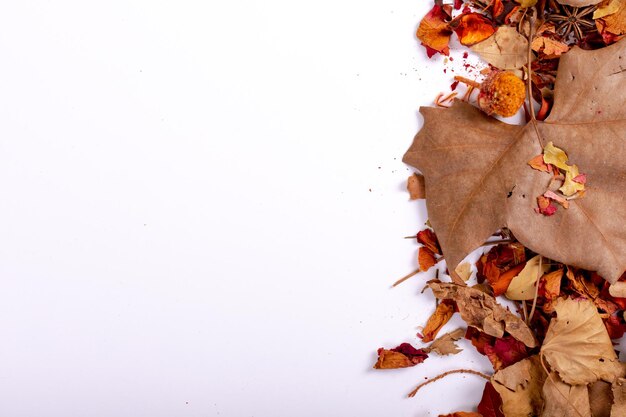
(578, 346)
(482, 311)
(519, 385)
(487, 183)
(564, 400)
(444, 345)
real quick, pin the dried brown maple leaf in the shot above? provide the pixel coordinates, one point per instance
(478, 180)
(482, 311)
(578, 346)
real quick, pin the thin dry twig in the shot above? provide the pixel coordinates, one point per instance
(445, 374)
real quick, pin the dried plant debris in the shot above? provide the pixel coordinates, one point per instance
(551, 189)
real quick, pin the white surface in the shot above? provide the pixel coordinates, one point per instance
(203, 209)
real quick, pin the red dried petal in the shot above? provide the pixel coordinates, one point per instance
(472, 28)
(505, 352)
(429, 239)
(425, 258)
(491, 403)
(434, 32)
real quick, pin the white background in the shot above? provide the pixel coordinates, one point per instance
(202, 209)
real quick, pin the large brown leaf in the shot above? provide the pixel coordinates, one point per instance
(477, 179)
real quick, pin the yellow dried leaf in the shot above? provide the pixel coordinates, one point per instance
(616, 22)
(526, 3)
(464, 270)
(522, 287)
(607, 9)
(578, 346)
(570, 187)
(555, 156)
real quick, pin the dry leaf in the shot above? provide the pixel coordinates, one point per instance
(507, 49)
(600, 399)
(464, 271)
(487, 184)
(608, 9)
(578, 346)
(519, 386)
(549, 47)
(482, 311)
(443, 313)
(552, 284)
(444, 345)
(618, 289)
(579, 3)
(490, 404)
(402, 356)
(563, 400)
(619, 398)
(522, 287)
(415, 187)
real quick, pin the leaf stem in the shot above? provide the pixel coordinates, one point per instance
(404, 278)
(445, 374)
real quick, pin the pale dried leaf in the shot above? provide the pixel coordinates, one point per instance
(579, 3)
(507, 49)
(444, 345)
(618, 289)
(619, 398)
(608, 9)
(487, 184)
(482, 311)
(464, 270)
(578, 346)
(564, 400)
(522, 287)
(519, 385)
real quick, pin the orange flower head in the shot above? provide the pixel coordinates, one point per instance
(502, 93)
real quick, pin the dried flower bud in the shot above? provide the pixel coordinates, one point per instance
(502, 93)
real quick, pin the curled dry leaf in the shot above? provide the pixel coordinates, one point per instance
(519, 386)
(402, 356)
(578, 346)
(487, 184)
(522, 287)
(443, 313)
(444, 345)
(415, 187)
(563, 400)
(482, 311)
(429, 239)
(507, 49)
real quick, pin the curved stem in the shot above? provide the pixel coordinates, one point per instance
(445, 374)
